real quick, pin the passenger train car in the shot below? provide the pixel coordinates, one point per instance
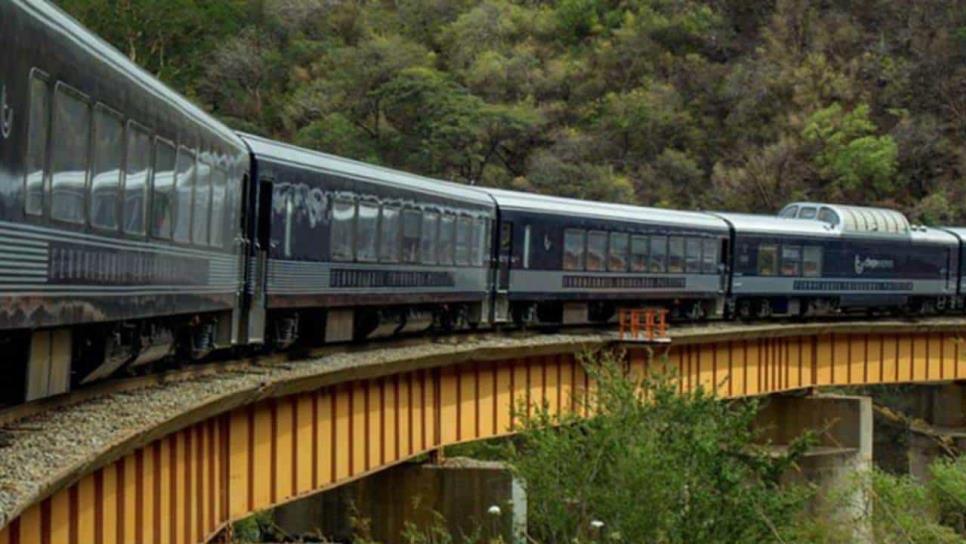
(350, 250)
(827, 265)
(134, 228)
(119, 209)
(571, 261)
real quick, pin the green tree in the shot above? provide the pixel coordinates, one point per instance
(749, 103)
(655, 465)
(170, 38)
(849, 154)
(443, 126)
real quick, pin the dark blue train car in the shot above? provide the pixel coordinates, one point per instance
(960, 234)
(838, 259)
(119, 210)
(571, 261)
(353, 250)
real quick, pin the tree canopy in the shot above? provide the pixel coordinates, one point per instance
(742, 105)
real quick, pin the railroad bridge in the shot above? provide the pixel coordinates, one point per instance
(174, 463)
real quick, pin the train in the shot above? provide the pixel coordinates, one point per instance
(136, 229)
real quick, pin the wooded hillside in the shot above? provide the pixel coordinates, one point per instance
(734, 104)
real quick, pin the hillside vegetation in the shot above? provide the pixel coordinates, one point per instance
(736, 104)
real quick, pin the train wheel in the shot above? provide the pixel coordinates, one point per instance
(744, 310)
(764, 309)
(696, 313)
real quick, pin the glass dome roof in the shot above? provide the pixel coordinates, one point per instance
(849, 218)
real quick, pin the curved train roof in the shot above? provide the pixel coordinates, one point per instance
(936, 236)
(59, 20)
(779, 226)
(958, 231)
(863, 219)
(266, 149)
(516, 200)
(769, 224)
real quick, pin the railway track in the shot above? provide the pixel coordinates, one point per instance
(10, 415)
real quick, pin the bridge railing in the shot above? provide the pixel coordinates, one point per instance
(643, 324)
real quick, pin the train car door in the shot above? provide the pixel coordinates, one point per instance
(256, 322)
(501, 307)
(950, 275)
(724, 270)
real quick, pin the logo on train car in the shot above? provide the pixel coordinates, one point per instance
(6, 114)
(868, 263)
(622, 282)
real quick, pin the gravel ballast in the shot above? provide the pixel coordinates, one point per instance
(49, 451)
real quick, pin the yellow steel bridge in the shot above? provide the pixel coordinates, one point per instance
(184, 478)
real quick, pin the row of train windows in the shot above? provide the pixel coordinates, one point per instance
(93, 167)
(789, 260)
(367, 232)
(598, 251)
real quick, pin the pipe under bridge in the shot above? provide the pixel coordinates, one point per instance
(175, 463)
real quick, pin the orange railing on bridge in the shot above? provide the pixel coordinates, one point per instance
(643, 324)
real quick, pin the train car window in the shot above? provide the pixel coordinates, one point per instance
(219, 201)
(807, 212)
(289, 212)
(342, 233)
(464, 237)
(410, 236)
(639, 246)
(367, 232)
(488, 233)
(573, 249)
(675, 254)
(812, 262)
(236, 180)
(427, 237)
(36, 159)
(791, 260)
(828, 216)
(137, 168)
(184, 191)
(658, 257)
(106, 175)
(526, 246)
(480, 244)
(692, 255)
(596, 251)
(767, 260)
(447, 228)
(617, 252)
(709, 256)
(202, 204)
(162, 197)
(389, 235)
(69, 154)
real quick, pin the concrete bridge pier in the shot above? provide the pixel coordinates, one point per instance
(918, 424)
(842, 456)
(456, 494)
